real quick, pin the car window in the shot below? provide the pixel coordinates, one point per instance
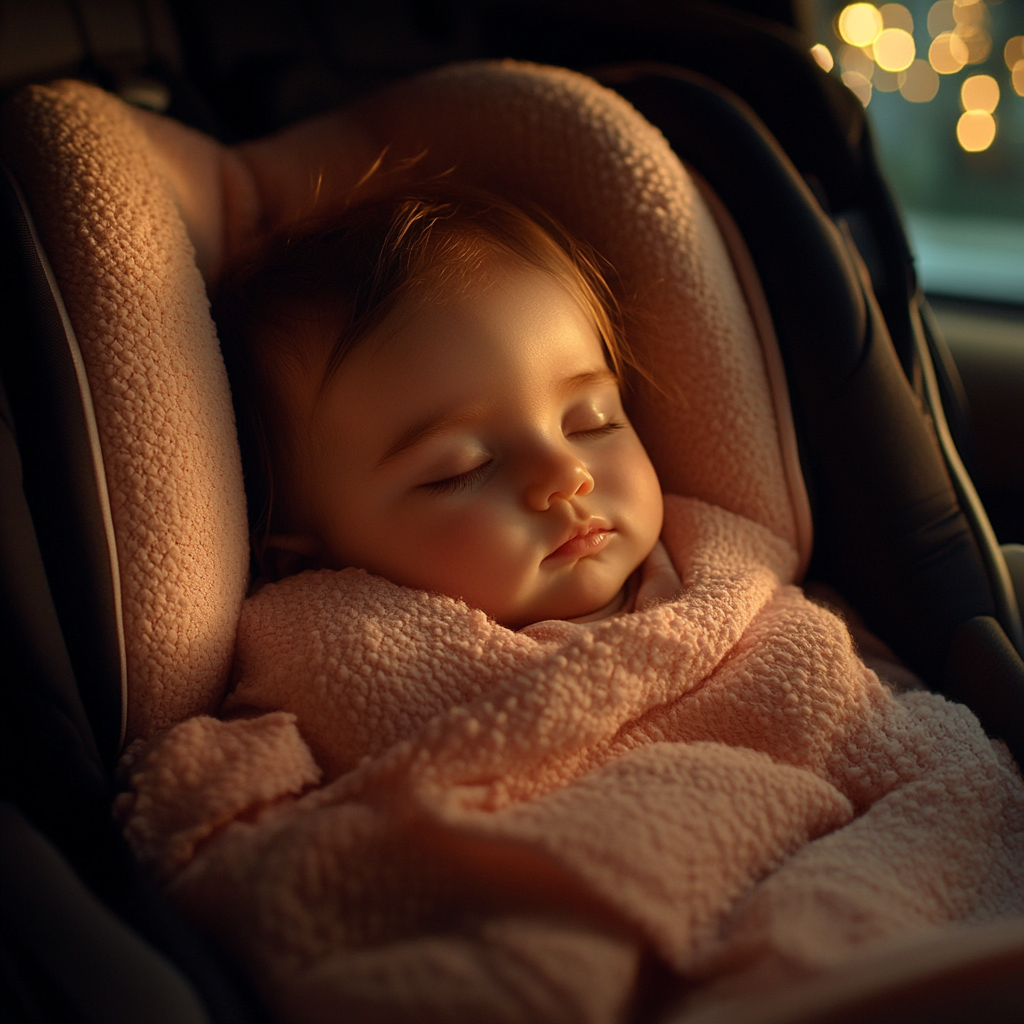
(943, 83)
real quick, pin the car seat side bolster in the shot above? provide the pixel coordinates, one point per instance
(1004, 595)
(986, 673)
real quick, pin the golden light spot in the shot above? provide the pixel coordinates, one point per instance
(958, 49)
(975, 130)
(940, 18)
(968, 17)
(974, 16)
(977, 45)
(971, 27)
(894, 49)
(886, 81)
(860, 24)
(919, 83)
(941, 56)
(980, 92)
(1013, 51)
(1018, 78)
(896, 16)
(823, 56)
(852, 58)
(858, 85)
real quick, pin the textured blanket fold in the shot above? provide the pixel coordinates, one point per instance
(414, 813)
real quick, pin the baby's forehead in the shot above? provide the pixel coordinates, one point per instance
(486, 298)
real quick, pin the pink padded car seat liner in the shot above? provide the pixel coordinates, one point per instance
(139, 215)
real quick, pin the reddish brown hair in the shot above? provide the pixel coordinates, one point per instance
(311, 294)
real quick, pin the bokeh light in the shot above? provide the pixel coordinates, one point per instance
(977, 46)
(858, 85)
(894, 49)
(975, 130)
(974, 13)
(879, 53)
(1013, 51)
(984, 49)
(822, 56)
(941, 55)
(940, 18)
(919, 83)
(886, 81)
(860, 24)
(980, 92)
(853, 58)
(896, 16)
(972, 19)
(949, 125)
(1017, 77)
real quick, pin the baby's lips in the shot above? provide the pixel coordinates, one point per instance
(581, 542)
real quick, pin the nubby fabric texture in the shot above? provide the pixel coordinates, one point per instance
(423, 815)
(127, 273)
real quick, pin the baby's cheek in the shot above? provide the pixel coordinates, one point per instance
(480, 533)
(467, 549)
(650, 502)
(633, 483)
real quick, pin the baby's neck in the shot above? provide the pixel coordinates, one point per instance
(613, 607)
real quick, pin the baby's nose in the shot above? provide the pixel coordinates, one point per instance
(566, 478)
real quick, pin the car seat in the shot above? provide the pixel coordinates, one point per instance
(68, 651)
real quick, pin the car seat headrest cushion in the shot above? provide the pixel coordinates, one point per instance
(131, 208)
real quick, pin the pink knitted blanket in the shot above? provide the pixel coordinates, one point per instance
(412, 813)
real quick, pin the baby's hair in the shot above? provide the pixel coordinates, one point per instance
(311, 294)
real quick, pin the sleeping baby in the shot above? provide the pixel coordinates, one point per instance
(453, 422)
(509, 725)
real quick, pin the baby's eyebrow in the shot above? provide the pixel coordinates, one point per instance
(582, 381)
(424, 431)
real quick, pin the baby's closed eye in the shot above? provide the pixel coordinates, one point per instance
(460, 481)
(594, 432)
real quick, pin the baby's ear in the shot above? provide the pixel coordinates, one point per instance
(286, 554)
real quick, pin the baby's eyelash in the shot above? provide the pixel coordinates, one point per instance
(455, 484)
(607, 428)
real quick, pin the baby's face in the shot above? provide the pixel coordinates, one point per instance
(475, 445)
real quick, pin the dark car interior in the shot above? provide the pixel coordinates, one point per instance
(912, 452)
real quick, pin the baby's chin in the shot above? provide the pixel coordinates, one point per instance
(613, 607)
(589, 606)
